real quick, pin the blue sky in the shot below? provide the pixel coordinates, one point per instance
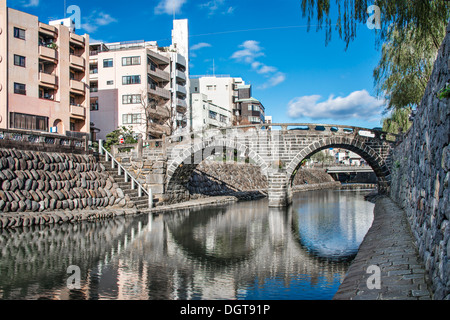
(293, 73)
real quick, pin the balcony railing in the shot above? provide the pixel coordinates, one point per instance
(77, 39)
(77, 86)
(77, 62)
(160, 74)
(48, 79)
(47, 52)
(164, 93)
(79, 111)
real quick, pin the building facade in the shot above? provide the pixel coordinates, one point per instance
(232, 94)
(44, 75)
(140, 85)
(206, 115)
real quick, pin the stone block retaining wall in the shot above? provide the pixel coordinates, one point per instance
(33, 181)
(420, 176)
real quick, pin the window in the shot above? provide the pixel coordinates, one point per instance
(131, 80)
(133, 118)
(94, 104)
(28, 122)
(110, 82)
(19, 33)
(20, 88)
(212, 115)
(131, 61)
(223, 118)
(19, 61)
(131, 99)
(108, 63)
(254, 119)
(211, 88)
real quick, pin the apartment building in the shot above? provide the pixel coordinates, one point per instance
(141, 85)
(43, 75)
(206, 115)
(232, 94)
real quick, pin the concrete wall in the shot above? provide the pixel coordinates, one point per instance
(420, 176)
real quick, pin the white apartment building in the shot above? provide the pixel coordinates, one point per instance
(141, 85)
(206, 115)
(221, 90)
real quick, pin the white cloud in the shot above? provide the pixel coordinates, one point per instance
(200, 45)
(274, 80)
(31, 3)
(249, 52)
(169, 6)
(97, 19)
(215, 6)
(357, 105)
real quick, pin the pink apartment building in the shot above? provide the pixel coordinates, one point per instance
(44, 75)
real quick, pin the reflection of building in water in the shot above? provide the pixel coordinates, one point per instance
(211, 254)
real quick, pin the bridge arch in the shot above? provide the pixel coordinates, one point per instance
(187, 159)
(359, 146)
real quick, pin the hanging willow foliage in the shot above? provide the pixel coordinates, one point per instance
(422, 15)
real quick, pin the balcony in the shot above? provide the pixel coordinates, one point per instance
(157, 58)
(180, 75)
(158, 129)
(77, 87)
(48, 29)
(182, 103)
(181, 89)
(77, 62)
(76, 39)
(164, 93)
(159, 113)
(77, 111)
(48, 80)
(158, 74)
(181, 60)
(48, 53)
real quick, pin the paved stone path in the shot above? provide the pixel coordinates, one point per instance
(389, 245)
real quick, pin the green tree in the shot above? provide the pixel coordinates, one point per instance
(398, 122)
(424, 16)
(113, 138)
(405, 67)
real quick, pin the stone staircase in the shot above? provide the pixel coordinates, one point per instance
(139, 202)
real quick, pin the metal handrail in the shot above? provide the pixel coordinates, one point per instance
(121, 170)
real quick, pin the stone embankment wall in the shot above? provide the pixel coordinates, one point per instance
(420, 176)
(39, 182)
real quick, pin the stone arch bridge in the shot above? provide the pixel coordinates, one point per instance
(278, 149)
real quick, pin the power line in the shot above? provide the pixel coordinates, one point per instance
(246, 30)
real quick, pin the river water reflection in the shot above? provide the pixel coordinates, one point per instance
(238, 251)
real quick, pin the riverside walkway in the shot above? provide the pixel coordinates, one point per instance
(389, 245)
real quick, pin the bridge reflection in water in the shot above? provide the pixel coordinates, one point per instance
(240, 251)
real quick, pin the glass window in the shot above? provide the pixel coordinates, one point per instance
(131, 99)
(19, 61)
(28, 122)
(110, 82)
(19, 33)
(108, 63)
(20, 88)
(131, 61)
(131, 80)
(133, 118)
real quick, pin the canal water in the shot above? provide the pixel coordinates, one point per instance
(240, 251)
